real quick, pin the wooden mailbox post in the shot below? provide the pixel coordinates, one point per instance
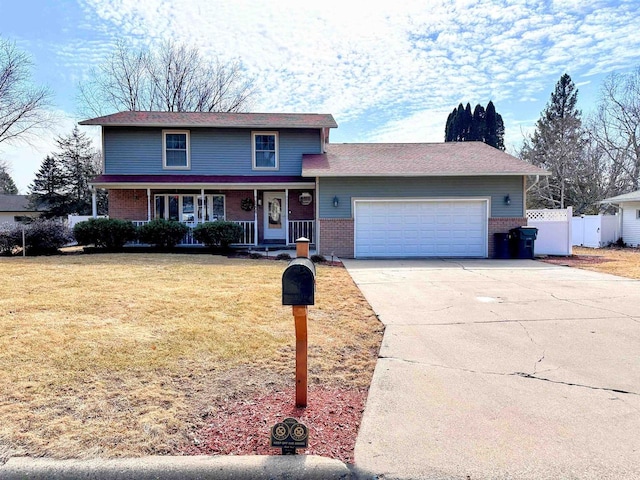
(298, 290)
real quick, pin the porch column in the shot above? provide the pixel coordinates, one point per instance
(94, 203)
(204, 210)
(255, 217)
(148, 204)
(286, 216)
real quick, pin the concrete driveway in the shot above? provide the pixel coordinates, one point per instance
(501, 370)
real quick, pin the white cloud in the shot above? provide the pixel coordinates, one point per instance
(408, 61)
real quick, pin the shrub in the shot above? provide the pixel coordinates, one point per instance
(318, 258)
(283, 256)
(104, 232)
(162, 233)
(7, 242)
(218, 234)
(255, 256)
(41, 237)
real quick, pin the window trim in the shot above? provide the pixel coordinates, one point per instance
(253, 150)
(164, 150)
(209, 199)
(197, 196)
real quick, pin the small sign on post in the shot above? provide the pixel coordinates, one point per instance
(289, 435)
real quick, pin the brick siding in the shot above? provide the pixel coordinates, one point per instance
(502, 225)
(233, 201)
(128, 204)
(336, 235)
(297, 211)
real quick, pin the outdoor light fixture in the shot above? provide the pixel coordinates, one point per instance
(336, 202)
(507, 199)
(305, 198)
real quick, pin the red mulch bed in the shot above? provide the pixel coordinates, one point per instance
(243, 426)
(576, 260)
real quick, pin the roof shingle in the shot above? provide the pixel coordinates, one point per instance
(215, 119)
(626, 197)
(414, 159)
(15, 203)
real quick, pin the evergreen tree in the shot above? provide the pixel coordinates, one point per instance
(61, 186)
(78, 160)
(458, 123)
(48, 191)
(483, 125)
(7, 185)
(494, 127)
(467, 124)
(478, 124)
(449, 134)
(558, 145)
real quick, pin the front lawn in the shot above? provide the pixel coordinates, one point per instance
(131, 354)
(624, 262)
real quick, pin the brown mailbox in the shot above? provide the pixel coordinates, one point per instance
(299, 282)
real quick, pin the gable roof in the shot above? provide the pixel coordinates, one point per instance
(414, 159)
(215, 119)
(627, 197)
(15, 203)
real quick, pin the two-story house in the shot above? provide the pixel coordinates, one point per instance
(278, 176)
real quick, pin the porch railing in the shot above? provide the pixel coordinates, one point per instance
(247, 237)
(248, 232)
(301, 228)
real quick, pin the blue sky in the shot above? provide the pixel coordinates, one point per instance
(388, 72)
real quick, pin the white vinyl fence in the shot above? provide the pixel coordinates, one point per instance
(73, 219)
(554, 231)
(595, 231)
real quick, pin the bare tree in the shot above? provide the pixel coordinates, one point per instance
(22, 104)
(172, 77)
(616, 127)
(120, 83)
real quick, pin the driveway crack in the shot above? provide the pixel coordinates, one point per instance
(426, 364)
(535, 365)
(597, 307)
(591, 387)
(513, 374)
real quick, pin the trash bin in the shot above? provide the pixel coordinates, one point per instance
(522, 241)
(501, 245)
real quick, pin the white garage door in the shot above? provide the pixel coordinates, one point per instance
(420, 228)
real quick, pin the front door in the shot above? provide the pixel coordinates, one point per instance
(275, 225)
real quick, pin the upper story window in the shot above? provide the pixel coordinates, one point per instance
(265, 150)
(175, 150)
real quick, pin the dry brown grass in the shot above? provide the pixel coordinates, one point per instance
(624, 262)
(124, 355)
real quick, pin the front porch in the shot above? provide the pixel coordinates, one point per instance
(272, 215)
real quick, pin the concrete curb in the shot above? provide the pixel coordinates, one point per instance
(203, 467)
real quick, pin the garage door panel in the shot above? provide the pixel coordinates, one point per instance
(415, 228)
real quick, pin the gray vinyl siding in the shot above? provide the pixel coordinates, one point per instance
(138, 151)
(346, 188)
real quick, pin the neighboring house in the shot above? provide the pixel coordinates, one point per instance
(629, 204)
(16, 209)
(279, 177)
